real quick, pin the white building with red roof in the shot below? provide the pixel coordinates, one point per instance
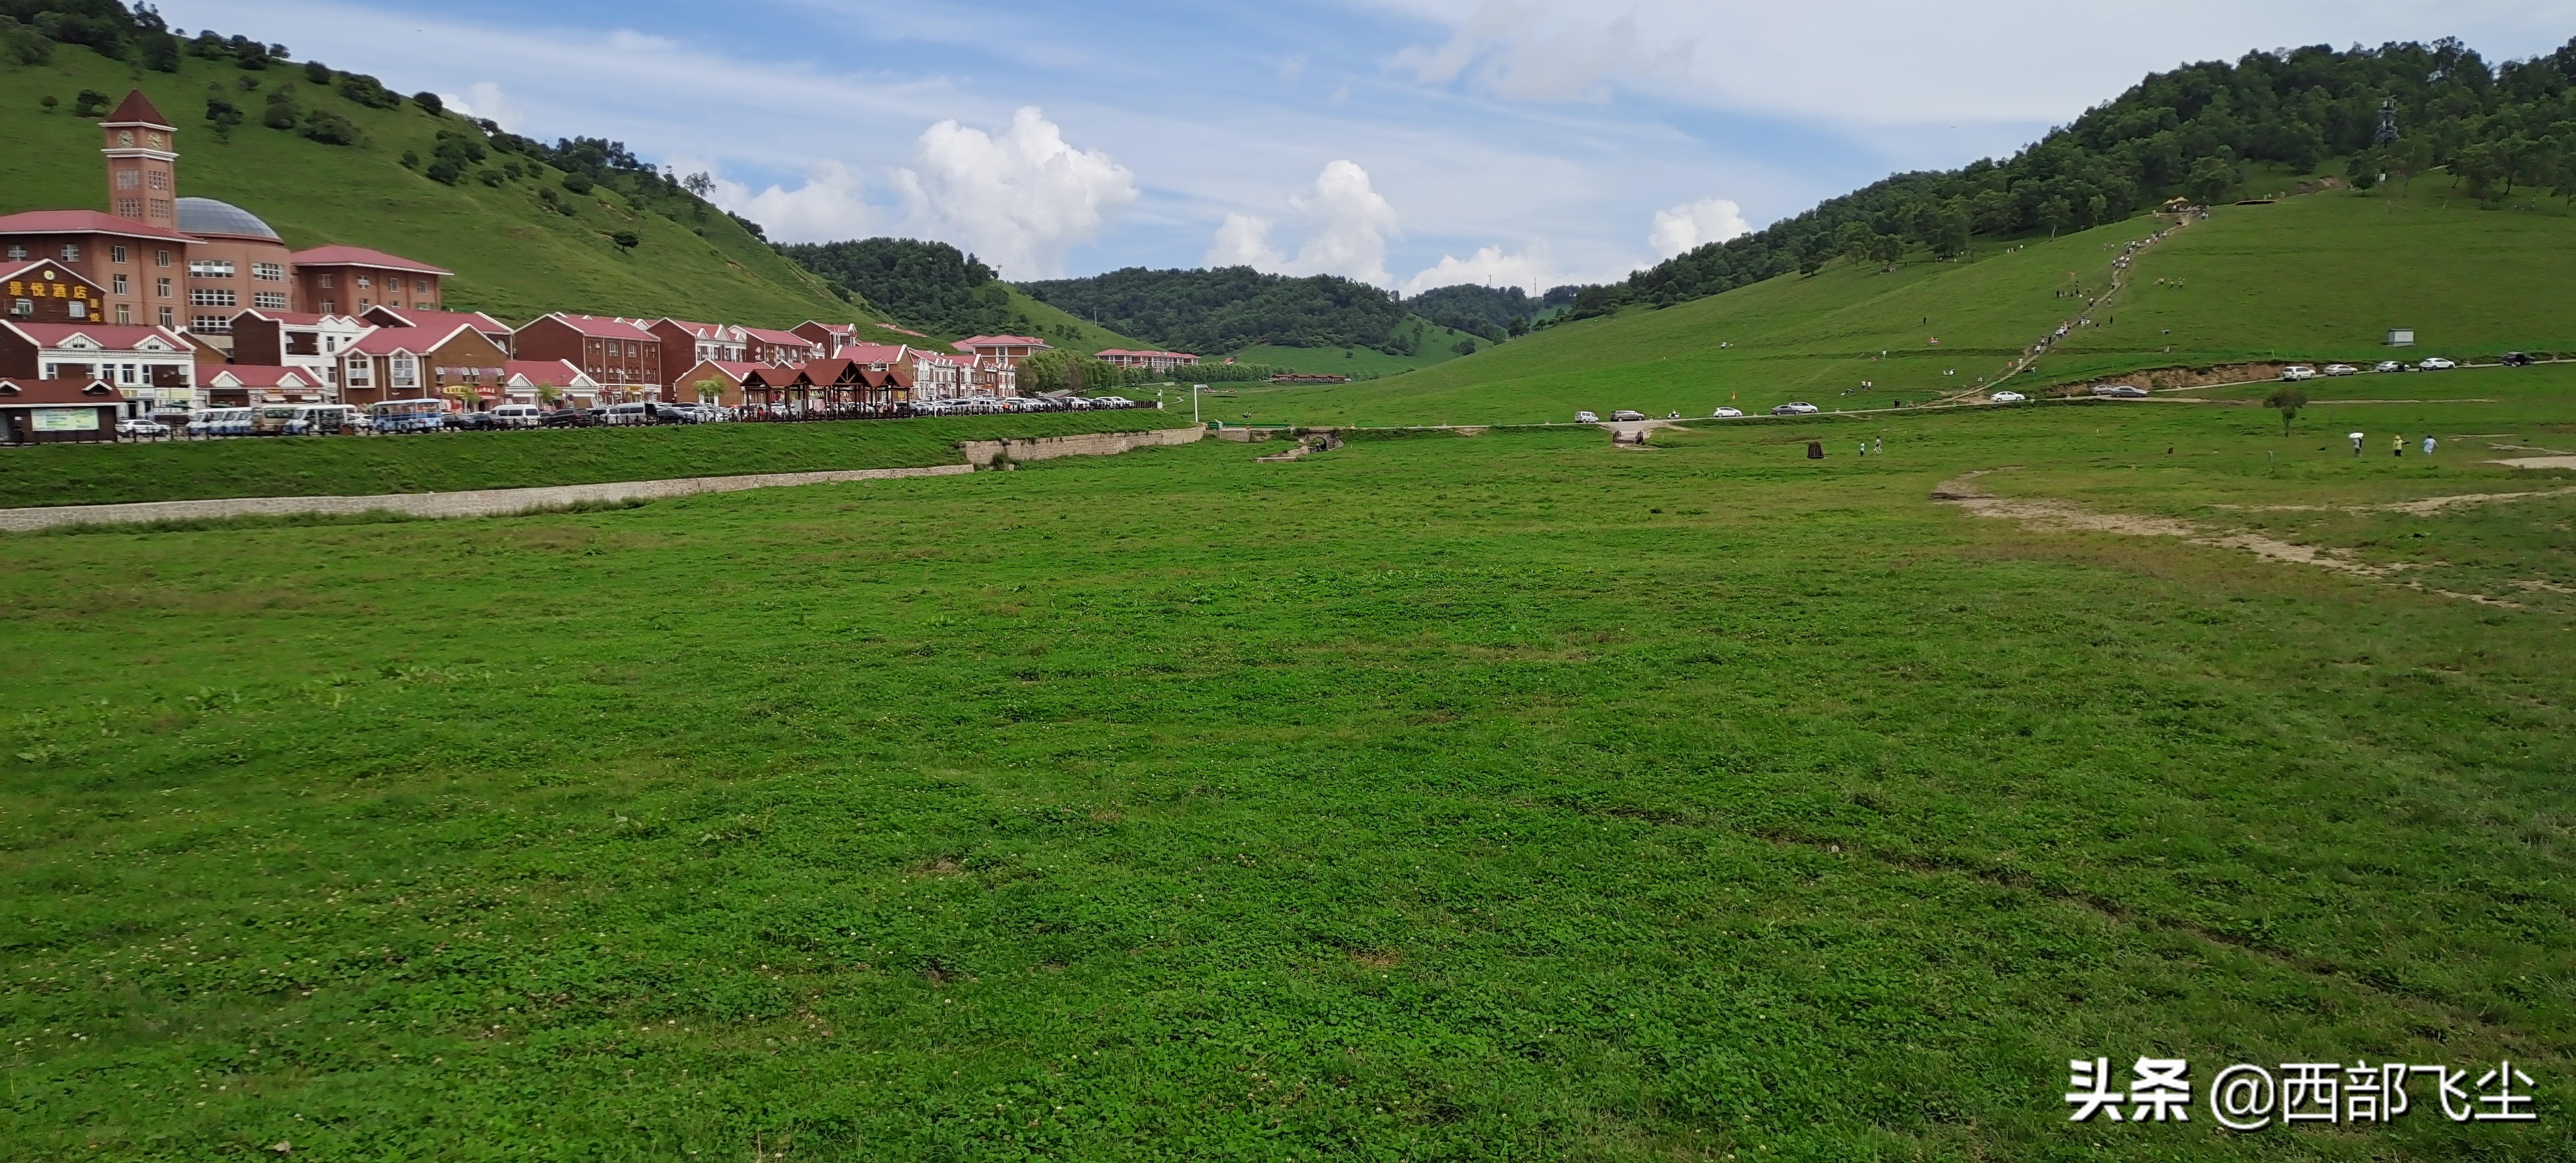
(239, 384)
(1009, 349)
(1161, 361)
(152, 367)
(525, 381)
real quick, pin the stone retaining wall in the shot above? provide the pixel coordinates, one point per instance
(981, 453)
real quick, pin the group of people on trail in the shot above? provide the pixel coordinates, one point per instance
(2396, 444)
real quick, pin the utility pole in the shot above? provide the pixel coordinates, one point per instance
(1194, 403)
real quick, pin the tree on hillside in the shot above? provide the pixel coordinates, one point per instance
(2289, 398)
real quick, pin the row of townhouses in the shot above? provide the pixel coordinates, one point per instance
(176, 303)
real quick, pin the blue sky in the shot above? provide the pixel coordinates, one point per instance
(1408, 142)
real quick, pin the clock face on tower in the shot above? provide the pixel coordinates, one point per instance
(155, 139)
(125, 137)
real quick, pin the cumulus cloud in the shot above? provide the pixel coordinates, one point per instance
(1530, 270)
(830, 206)
(1349, 223)
(483, 99)
(1021, 200)
(1244, 241)
(1686, 227)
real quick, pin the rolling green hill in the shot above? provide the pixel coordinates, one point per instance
(2315, 277)
(513, 255)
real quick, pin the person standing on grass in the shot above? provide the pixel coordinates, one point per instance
(2429, 442)
(2356, 445)
(2397, 446)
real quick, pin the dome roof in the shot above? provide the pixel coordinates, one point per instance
(207, 216)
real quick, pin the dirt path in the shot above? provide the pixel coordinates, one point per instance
(1632, 433)
(2084, 317)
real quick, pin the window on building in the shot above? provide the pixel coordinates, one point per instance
(71, 252)
(160, 207)
(365, 280)
(79, 308)
(118, 283)
(405, 372)
(269, 300)
(210, 268)
(359, 369)
(160, 258)
(213, 324)
(168, 316)
(116, 254)
(424, 305)
(209, 297)
(22, 308)
(323, 279)
(161, 287)
(157, 179)
(270, 271)
(129, 179)
(124, 315)
(329, 306)
(17, 253)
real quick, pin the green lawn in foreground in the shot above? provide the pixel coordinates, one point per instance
(2317, 277)
(92, 474)
(1434, 798)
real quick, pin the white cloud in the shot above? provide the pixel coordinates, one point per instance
(483, 99)
(1690, 225)
(1489, 267)
(1244, 241)
(1021, 201)
(830, 206)
(1352, 222)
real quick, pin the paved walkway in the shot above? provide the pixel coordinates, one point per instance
(478, 503)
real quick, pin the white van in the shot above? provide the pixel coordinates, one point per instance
(1586, 418)
(628, 414)
(516, 415)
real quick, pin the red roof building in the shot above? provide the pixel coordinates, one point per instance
(685, 345)
(460, 363)
(1010, 349)
(778, 348)
(58, 411)
(1152, 360)
(525, 381)
(624, 358)
(352, 279)
(154, 367)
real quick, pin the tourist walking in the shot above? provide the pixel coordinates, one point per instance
(2356, 445)
(2428, 445)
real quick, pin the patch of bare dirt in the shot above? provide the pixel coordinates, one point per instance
(2537, 462)
(2057, 515)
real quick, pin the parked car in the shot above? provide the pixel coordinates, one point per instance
(2008, 398)
(1586, 418)
(516, 415)
(2341, 369)
(1627, 414)
(2434, 364)
(2389, 365)
(2517, 359)
(1726, 413)
(566, 418)
(138, 426)
(1796, 408)
(2298, 371)
(2120, 391)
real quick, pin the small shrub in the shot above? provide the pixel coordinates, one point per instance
(625, 238)
(224, 116)
(577, 183)
(90, 103)
(429, 103)
(332, 129)
(445, 171)
(281, 112)
(492, 177)
(49, 101)
(368, 91)
(317, 72)
(411, 160)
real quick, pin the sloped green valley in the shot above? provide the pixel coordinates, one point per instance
(513, 255)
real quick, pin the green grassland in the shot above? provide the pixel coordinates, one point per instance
(2316, 277)
(513, 256)
(1432, 798)
(91, 474)
(1439, 345)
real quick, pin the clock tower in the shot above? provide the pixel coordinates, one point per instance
(142, 163)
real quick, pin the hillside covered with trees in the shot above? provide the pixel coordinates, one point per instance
(1230, 308)
(2199, 132)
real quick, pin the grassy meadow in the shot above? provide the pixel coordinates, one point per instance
(1433, 798)
(2311, 277)
(512, 255)
(90, 474)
